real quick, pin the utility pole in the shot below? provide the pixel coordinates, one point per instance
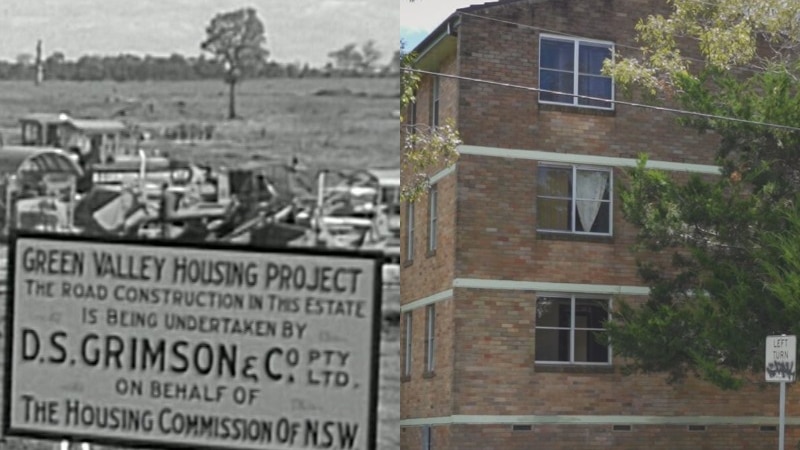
(39, 65)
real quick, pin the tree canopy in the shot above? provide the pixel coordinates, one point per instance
(734, 273)
(236, 39)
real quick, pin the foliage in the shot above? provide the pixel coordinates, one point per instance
(409, 81)
(425, 148)
(733, 270)
(350, 60)
(175, 67)
(720, 35)
(236, 40)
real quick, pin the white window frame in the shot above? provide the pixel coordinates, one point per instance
(408, 334)
(430, 338)
(410, 231)
(576, 44)
(433, 204)
(573, 298)
(573, 198)
(435, 103)
(412, 115)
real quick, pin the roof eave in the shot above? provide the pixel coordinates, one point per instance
(446, 29)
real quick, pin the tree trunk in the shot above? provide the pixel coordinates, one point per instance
(232, 100)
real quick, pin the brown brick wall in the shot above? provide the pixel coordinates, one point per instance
(499, 240)
(429, 394)
(482, 437)
(498, 116)
(411, 438)
(600, 437)
(448, 94)
(495, 373)
(430, 273)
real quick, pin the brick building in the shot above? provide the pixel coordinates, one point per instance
(509, 262)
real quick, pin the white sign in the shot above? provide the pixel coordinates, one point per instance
(781, 358)
(193, 347)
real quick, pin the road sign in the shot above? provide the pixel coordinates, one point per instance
(781, 358)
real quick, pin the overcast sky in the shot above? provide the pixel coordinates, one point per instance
(419, 18)
(297, 30)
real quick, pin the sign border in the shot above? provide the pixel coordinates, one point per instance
(766, 341)
(375, 348)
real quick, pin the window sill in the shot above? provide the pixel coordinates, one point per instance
(577, 110)
(556, 236)
(431, 374)
(572, 368)
(408, 263)
(431, 253)
(405, 378)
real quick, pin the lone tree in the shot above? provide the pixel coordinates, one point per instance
(236, 39)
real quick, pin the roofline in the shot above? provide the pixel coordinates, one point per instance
(448, 26)
(444, 29)
(478, 7)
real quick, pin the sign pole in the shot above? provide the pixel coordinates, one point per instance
(781, 359)
(782, 425)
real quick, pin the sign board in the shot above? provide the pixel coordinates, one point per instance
(781, 358)
(170, 345)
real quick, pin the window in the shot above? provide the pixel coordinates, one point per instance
(433, 200)
(413, 118)
(430, 331)
(573, 66)
(574, 199)
(407, 344)
(568, 327)
(410, 231)
(427, 439)
(435, 103)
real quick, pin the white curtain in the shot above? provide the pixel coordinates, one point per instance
(589, 189)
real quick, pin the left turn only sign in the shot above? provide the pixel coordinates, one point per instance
(781, 358)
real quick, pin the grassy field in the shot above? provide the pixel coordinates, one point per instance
(352, 124)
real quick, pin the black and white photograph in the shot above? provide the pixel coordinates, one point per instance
(199, 224)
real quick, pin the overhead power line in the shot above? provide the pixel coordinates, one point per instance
(616, 102)
(575, 36)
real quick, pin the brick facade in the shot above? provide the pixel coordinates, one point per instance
(487, 391)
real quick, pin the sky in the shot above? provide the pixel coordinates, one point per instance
(419, 18)
(297, 30)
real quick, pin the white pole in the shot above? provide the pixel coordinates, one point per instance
(782, 415)
(142, 174)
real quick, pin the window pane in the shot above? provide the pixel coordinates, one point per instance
(552, 345)
(594, 86)
(554, 181)
(590, 313)
(590, 222)
(592, 184)
(553, 312)
(557, 55)
(591, 57)
(553, 214)
(587, 347)
(556, 81)
(407, 336)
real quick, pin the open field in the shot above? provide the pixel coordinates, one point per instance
(353, 125)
